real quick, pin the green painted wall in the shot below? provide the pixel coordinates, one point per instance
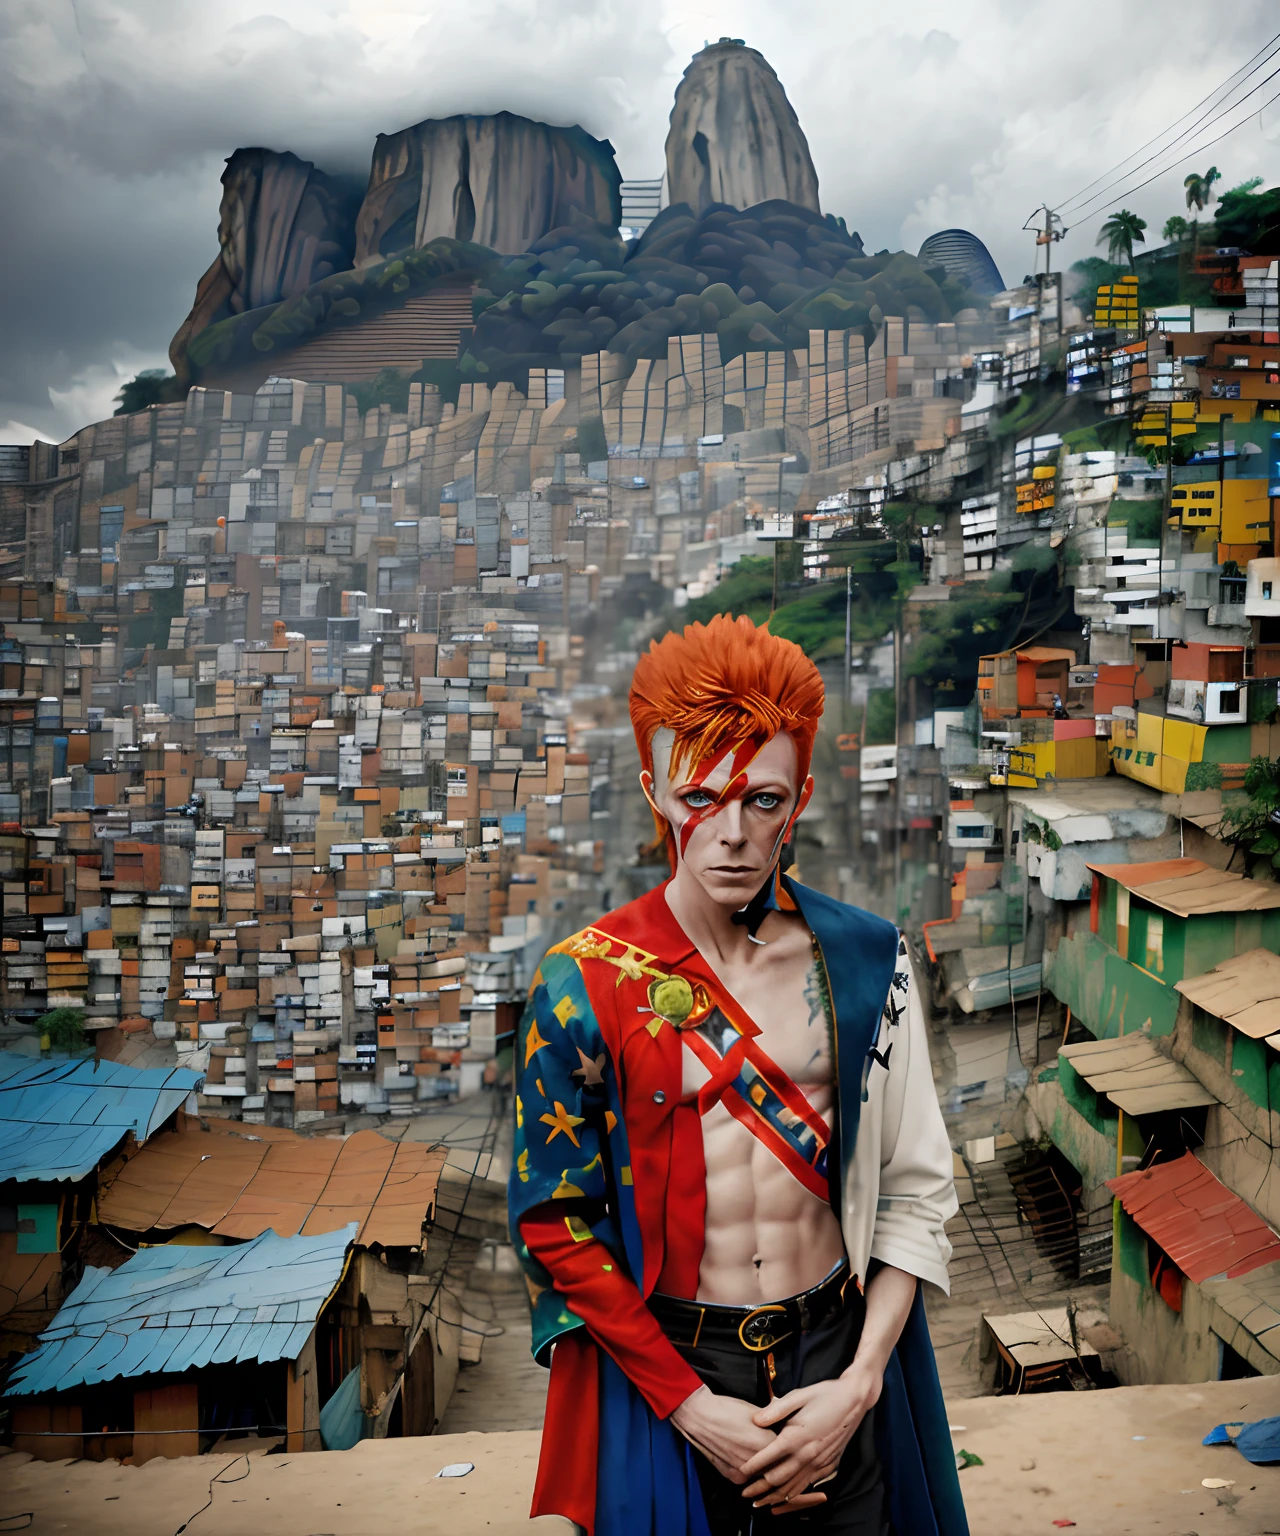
(1209, 1035)
(1107, 913)
(1256, 1068)
(1227, 744)
(1211, 939)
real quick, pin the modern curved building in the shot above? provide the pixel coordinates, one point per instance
(965, 258)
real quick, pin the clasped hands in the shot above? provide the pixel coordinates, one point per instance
(779, 1466)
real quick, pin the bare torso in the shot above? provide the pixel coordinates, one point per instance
(767, 1237)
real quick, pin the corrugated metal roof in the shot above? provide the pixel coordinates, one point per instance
(1186, 887)
(1135, 1075)
(223, 1176)
(1205, 1229)
(176, 1309)
(1244, 991)
(58, 1119)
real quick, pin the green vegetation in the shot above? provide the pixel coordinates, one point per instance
(444, 373)
(388, 387)
(335, 300)
(593, 446)
(1140, 518)
(1254, 825)
(882, 718)
(1249, 218)
(153, 386)
(1200, 188)
(982, 618)
(758, 279)
(63, 1028)
(1120, 232)
(813, 613)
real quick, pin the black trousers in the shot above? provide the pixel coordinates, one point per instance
(856, 1503)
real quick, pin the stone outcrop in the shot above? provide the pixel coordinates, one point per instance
(283, 225)
(501, 181)
(735, 137)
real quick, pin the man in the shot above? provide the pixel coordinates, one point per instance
(731, 1170)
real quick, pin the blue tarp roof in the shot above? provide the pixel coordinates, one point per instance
(176, 1309)
(58, 1119)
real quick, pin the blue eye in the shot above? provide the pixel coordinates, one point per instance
(698, 800)
(767, 801)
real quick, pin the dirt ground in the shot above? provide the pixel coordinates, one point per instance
(1128, 1460)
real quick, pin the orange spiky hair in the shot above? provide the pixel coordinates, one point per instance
(721, 683)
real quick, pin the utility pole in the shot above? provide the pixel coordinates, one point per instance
(848, 640)
(1164, 521)
(1050, 230)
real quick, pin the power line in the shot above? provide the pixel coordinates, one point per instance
(1182, 154)
(1248, 67)
(1208, 144)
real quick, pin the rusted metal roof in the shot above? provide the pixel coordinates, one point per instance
(1186, 887)
(1244, 991)
(225, 1177)
(1205, 1229)
(1135, 1075)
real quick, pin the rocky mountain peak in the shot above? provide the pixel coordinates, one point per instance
(734, 136)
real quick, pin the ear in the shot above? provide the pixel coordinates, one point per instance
(646, 784)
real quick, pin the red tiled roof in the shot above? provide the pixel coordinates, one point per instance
(1205, 1229)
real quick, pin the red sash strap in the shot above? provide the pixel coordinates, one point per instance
(763, 1099)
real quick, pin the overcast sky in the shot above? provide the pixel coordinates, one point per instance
(116, 116)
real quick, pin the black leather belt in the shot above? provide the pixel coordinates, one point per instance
(690, 1324)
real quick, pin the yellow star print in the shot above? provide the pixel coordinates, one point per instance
(562, 1120)
(533, 1043)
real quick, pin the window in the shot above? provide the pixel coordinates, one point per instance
(1266, 591)
(1229, 701)
(1155, 942)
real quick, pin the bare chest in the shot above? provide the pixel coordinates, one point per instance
(785, 1001)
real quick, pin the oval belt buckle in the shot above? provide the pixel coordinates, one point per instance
(756, 1330)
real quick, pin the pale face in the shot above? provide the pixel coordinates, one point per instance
(729, 815)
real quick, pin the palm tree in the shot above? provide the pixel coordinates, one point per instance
(1119, 233)
(1200, 188)
(1175, 229)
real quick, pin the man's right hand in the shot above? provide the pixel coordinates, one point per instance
(723, 1429)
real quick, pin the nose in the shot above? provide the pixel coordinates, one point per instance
(730, 824)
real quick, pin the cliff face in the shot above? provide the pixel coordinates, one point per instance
(502, 181)
(283, 226)
(735, 137)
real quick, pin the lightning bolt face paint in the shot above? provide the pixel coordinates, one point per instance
(730, 813)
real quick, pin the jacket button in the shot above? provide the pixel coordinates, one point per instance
(659, 1097)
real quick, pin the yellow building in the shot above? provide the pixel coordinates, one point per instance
(1176, 756)
(1085, 757)
(1236, 512)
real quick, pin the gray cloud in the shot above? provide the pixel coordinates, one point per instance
(115, 116)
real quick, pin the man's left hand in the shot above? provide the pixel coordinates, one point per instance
(818, 1422)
